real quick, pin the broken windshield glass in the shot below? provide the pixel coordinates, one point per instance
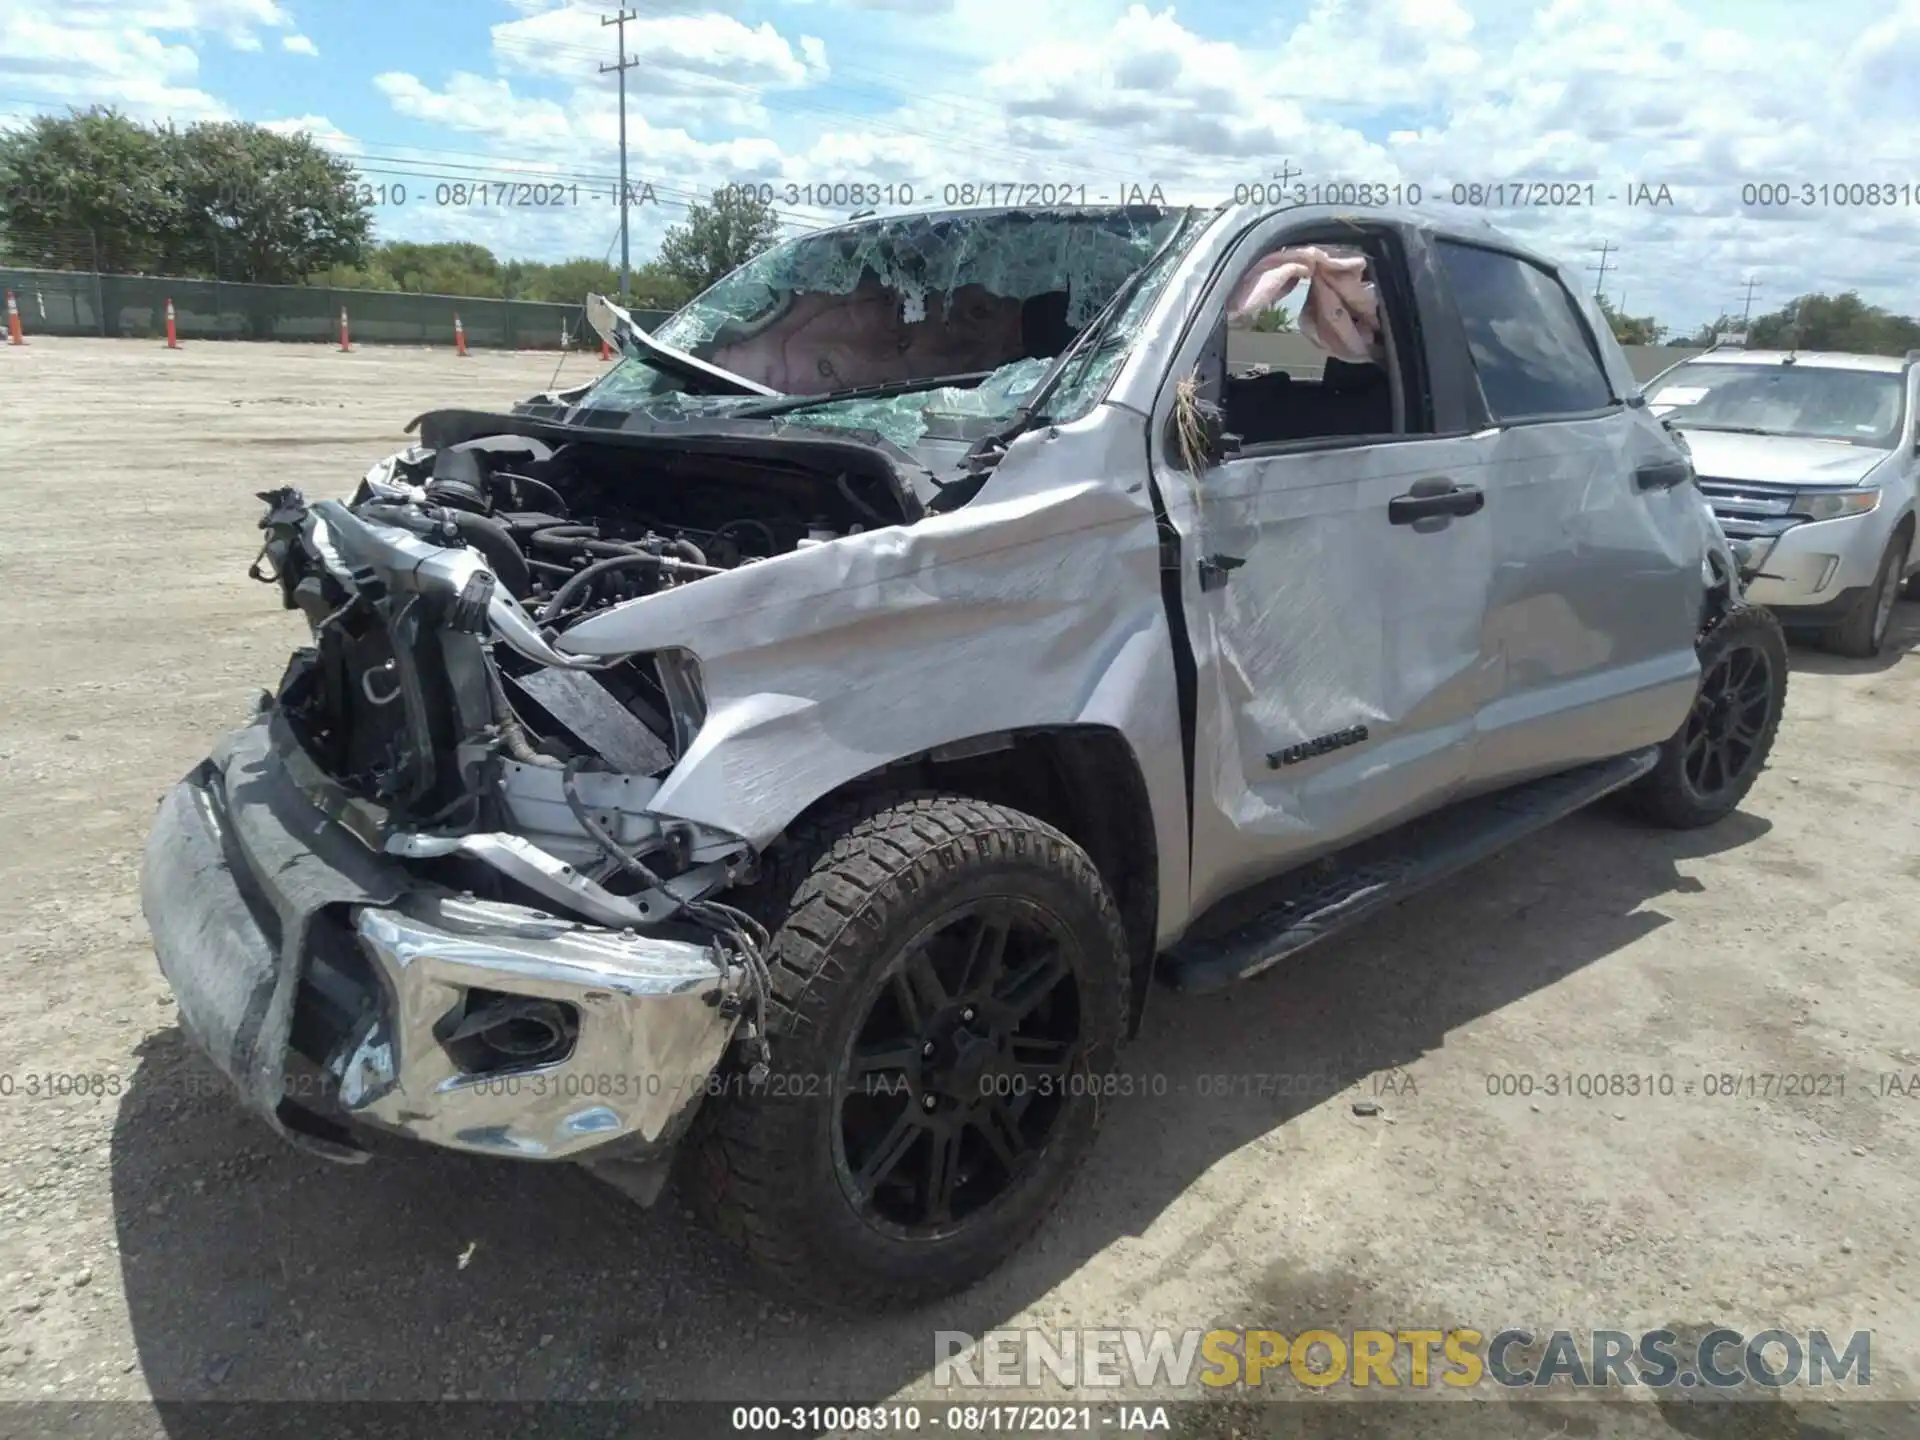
(888, 301)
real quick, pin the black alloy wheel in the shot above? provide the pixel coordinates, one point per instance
(959, 1072)
(1705, 768)
(1729, 720)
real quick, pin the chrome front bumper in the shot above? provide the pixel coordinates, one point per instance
(651, 1028)
(252, 894)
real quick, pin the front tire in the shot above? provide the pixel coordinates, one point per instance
(1706, 768)
(949, 987)
(1862, 634)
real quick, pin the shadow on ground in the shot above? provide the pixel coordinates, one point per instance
(253, 1272)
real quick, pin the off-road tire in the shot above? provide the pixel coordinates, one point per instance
(1664, 796)
(1862, 633)
(843, 895)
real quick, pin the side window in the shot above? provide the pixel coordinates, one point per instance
(1308, 350)
(1530, 349)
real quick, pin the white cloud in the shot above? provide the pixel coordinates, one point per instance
(1698, 94)
(140, 55)
(324, 132)
(60, 54)
(677, 53)
(478, 105)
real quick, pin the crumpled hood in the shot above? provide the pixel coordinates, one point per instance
(1779, 459)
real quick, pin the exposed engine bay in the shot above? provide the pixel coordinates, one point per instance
(575, 528)
(437, 694)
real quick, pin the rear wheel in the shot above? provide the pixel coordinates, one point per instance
(950, 985)
(1863, 631)
(1709, 764)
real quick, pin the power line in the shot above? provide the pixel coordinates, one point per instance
(1746, 312)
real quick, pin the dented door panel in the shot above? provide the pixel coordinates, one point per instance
(1340, 668)
(1596, 597)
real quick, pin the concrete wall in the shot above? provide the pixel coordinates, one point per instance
(1297, 355)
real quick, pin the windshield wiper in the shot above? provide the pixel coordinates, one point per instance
(884, 391)
(1725, 429)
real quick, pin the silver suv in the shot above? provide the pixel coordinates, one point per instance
(1812, 460)
(799, 749)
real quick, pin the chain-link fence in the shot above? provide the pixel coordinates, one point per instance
(85, 302)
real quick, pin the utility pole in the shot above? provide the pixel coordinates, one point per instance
(1746, 312)
(619, 22)
(1605, 248)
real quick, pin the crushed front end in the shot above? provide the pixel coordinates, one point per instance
(421, 891)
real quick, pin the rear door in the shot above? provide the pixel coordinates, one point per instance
(1596, 567)
(1334, 584)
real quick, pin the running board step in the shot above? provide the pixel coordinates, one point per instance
(1247, 933)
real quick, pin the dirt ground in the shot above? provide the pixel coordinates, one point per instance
(157, 1245)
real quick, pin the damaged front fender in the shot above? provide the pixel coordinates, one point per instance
(1038, 604)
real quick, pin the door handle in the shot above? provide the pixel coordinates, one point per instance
(1434, 497)
(1662, 474)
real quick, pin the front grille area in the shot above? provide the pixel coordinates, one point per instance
(1749, 509)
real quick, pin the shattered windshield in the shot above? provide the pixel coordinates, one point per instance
(974, 303)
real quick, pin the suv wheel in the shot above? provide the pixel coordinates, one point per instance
(1707, 767)
(949, 984)
(1862, 633)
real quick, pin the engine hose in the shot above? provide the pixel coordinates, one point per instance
(492, 540)
(563, 537)
(487, 536)
(587, 537)
(688, 550)
(512, 734)
(586, 577)
(555, 606)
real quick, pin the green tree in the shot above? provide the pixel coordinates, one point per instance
(263, 207)
(718, 237)
(655, 287)
(447, 267)
(91, 187)
(231, 200)
(1273, 322)
(570, 281)
(1631, 329)
(1835, 322)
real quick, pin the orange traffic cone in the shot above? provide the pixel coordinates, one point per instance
(343, 329)
(459, 335)
(173, 338)
(14, 337)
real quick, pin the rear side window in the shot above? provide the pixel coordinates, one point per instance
(1530, 349)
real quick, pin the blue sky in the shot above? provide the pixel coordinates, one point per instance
(1702, 95)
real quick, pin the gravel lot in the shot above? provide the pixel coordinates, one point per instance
(159, 1246)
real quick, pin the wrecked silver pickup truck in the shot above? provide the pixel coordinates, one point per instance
(798, 749)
